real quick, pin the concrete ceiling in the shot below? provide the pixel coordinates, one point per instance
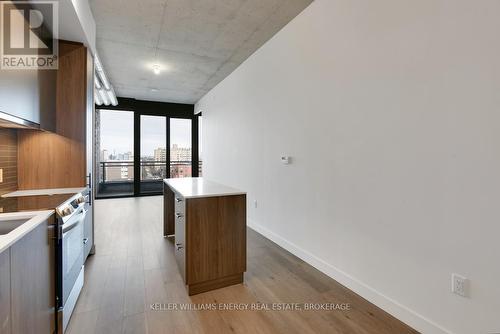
(196, 42)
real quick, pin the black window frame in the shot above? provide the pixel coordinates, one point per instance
(169, 111)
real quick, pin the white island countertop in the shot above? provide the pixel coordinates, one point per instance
(197, 187)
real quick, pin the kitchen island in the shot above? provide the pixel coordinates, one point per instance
(207, 220)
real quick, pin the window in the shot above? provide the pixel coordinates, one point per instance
(115, 153)
(136, 150)
(180, 148)
(153, 161)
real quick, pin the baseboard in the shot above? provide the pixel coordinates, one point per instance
(401, 312)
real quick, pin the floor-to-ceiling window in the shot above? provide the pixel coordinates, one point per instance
(115, 153)
(138, 149)
(181, 153)
(153, 158)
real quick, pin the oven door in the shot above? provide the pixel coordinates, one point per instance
(72, 252)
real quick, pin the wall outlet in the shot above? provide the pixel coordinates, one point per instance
(286, 160)
(1, 175)
(459, 285)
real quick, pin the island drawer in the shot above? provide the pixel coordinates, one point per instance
(180, 204)
(180, 245)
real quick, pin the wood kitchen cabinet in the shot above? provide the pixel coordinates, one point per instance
(62, 157)
(209, 230)
(27, 283)
(58, 159)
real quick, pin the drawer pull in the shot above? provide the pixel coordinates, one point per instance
(177, 199)
(178, 215)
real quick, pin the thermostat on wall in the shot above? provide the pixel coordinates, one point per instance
(285, 160)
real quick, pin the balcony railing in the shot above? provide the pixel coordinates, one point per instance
(116, 178)
(123, 171)
(116, 171)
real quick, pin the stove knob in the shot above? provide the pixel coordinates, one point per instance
(80, 200)
(66, 211)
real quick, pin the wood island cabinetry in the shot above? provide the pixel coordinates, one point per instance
(208, 223)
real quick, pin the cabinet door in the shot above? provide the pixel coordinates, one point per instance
(20, 94)
(33, 282)
(202, 238)
(215, 237)
(5, 292)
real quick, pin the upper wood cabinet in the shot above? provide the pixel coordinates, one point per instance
(71, 93)
(57, 159)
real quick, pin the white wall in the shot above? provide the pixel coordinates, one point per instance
(391, 112)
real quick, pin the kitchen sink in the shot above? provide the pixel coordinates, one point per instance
(7, 226)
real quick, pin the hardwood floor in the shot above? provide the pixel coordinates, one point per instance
(134, 267)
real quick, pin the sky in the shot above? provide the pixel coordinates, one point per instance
(117, 132)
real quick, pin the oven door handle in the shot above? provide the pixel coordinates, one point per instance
(67, 227)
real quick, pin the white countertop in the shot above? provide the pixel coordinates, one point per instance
(194, 187)
(35, 218)
(36, 192)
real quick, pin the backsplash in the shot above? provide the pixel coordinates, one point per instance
(8, 160)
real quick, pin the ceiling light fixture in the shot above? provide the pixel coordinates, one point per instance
(97, 82)
(104, 97)
(100, 73)
(103, 91)
(97, 97)
(112, 96)
(156, 69)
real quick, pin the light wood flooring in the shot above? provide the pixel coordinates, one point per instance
(134, 267)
